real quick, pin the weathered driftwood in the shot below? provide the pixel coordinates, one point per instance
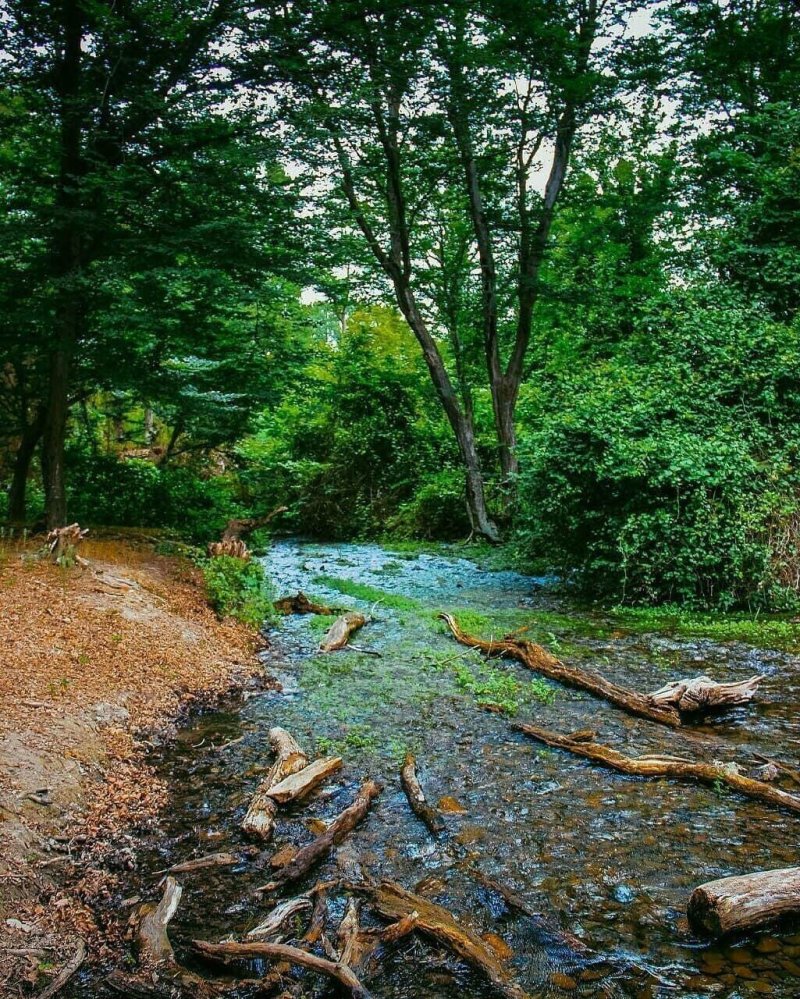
(200, 863)
(62, 542)
(715, 773)
(300, 604)
(260, 950)
(274, 923)
(319, 848)
(743, 903)
(393, 902)
(64, 975)
(703, 694)
(338, 635)
(539, 660)
(260, 818)
(152, 939)
(303, 782)
(359, 948)
(416, 796)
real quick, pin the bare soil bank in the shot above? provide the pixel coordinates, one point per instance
(97, 663)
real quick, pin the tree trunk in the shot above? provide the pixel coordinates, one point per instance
(22, 463)
(55, 433)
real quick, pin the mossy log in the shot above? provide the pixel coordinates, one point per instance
(745, 902)
(393, 902)
(713, 774)
(260, 818)
(338, 635)
(541, 661)
(319, 848)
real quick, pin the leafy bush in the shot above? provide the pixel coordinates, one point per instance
(664, 472)
(438, 509)
(239, 589)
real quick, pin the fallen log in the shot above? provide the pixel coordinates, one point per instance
(300, 604)
(260, 818)
(395, 903)
(745, 902)
(538, 659)
(280, 916)
(703, 694)
(260, 950)
(303, 782)
(416, 796)
(338, 635)
(238, 526)
(319, 848)
(714, 774)
(152, 939)
(200, 863)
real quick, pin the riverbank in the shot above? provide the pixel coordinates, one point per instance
(100, 663)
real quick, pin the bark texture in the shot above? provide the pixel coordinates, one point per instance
(260, 818)
(743, 903)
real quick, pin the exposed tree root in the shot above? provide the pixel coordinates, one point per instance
(744, 903)
(338, 635)
(260, 818)
(666, 766)
(66, 973)
(540, 661)
(319, 848)
(416, 796)
(393, 902)
(200, 863)
(226, 952)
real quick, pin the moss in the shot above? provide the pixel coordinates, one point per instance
(369, 594)
(762, 632)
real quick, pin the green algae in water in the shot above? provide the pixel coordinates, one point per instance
(370, 594)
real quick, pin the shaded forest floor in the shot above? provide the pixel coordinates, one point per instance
(99, 663)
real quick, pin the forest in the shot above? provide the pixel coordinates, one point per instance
(399, 499)
(514, 272)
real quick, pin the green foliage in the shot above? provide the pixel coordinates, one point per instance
(240, 589)
(762, 632)
(666, 471)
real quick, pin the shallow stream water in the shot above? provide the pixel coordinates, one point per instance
(608, 858)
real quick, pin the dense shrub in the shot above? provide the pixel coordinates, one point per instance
(104, 489)
(239, 589)
(661, 473)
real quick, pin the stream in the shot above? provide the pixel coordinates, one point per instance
(608, 858)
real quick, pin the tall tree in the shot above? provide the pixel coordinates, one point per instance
(111, 85)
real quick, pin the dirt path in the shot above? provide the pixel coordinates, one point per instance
(98, 664)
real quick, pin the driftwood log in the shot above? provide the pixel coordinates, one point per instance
(200, 863)
(299, 784)
(300, 604)
(260, 818)
(395, 903)
(152, 939)
(319, 848)
(744, 903)
(260, 950)
(539, 660)
(274, 923)
(338, 635)
(704, 694)
(713, 774)
(416, 796)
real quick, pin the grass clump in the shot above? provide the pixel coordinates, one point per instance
(239, 589)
